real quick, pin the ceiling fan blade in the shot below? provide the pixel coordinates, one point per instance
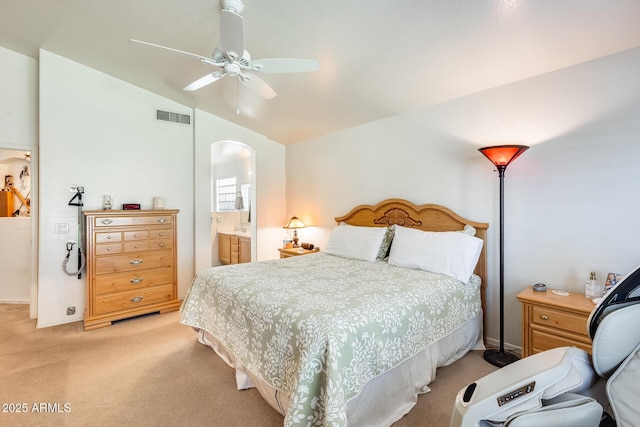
(203, 81)
(231, 33)
(259, 86)
(180, 52)
(286, 65)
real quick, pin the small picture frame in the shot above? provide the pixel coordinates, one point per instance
(612, 280)
(131, 207)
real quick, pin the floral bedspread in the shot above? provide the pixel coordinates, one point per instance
(318, 327)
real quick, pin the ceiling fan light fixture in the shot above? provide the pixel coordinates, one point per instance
(233, 58)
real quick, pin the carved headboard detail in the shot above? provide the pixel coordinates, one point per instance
(397, 216)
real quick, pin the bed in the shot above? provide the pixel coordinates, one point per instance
(350, 335)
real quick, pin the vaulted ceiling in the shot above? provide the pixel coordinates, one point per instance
(378, 58)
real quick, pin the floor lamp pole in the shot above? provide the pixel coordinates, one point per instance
(501, 175)
(501, 156)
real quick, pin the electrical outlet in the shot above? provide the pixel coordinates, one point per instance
(71, 311)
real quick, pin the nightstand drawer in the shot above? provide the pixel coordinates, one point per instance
(543, 339)
(558, 319)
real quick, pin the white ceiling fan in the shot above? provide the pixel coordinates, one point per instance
(233, 60)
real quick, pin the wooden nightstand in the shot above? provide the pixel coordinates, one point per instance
(550, 321)
(286, 253)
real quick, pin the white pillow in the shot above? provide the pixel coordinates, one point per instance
(452, 253)
(356, 242)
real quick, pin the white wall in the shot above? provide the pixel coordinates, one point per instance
(570, 202)
(19, 130)
(269, 193)
(101, 133)
(15, 260)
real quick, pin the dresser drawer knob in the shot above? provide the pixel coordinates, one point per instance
(162, 220)
(135, 261)
(161, 234)
(161, 245)
(136, 299)
(106, 221)
(108, 249)
(544, 317)
(108, 237)
(136, 280)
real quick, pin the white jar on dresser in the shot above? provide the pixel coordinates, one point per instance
(131, 261)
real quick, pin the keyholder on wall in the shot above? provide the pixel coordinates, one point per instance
(76, 200)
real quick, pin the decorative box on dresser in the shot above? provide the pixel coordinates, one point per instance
(131, 262)
(550, 320)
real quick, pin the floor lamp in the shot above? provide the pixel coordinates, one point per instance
(501, 156)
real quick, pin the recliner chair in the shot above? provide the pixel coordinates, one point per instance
(563, 386)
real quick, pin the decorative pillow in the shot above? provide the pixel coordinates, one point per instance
(354, 242)
(451, 252)
(386, 243)
(468, 229)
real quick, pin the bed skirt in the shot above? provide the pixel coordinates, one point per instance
(385, 398)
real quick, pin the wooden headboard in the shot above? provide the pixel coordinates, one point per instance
(423, 217)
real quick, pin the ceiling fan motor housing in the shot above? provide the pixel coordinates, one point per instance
(235, 6)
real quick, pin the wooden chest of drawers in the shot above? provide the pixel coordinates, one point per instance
(131, 261)
(550, 321)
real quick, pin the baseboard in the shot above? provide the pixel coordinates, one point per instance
(493, 343)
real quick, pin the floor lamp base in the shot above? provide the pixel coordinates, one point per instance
(499, 358)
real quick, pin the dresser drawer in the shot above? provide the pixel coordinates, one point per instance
(142, 245)
(132, 280)
(136, 235)
(133, 262)
(133, 299)
(108, 237)
(108, 248)
(559, 319)
(163, 233)
(118, 221)
(160, 244)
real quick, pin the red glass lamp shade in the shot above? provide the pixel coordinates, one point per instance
(502, 155)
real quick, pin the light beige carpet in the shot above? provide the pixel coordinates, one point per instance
(151, 371)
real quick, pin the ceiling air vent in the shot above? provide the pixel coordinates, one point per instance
(168, 116)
